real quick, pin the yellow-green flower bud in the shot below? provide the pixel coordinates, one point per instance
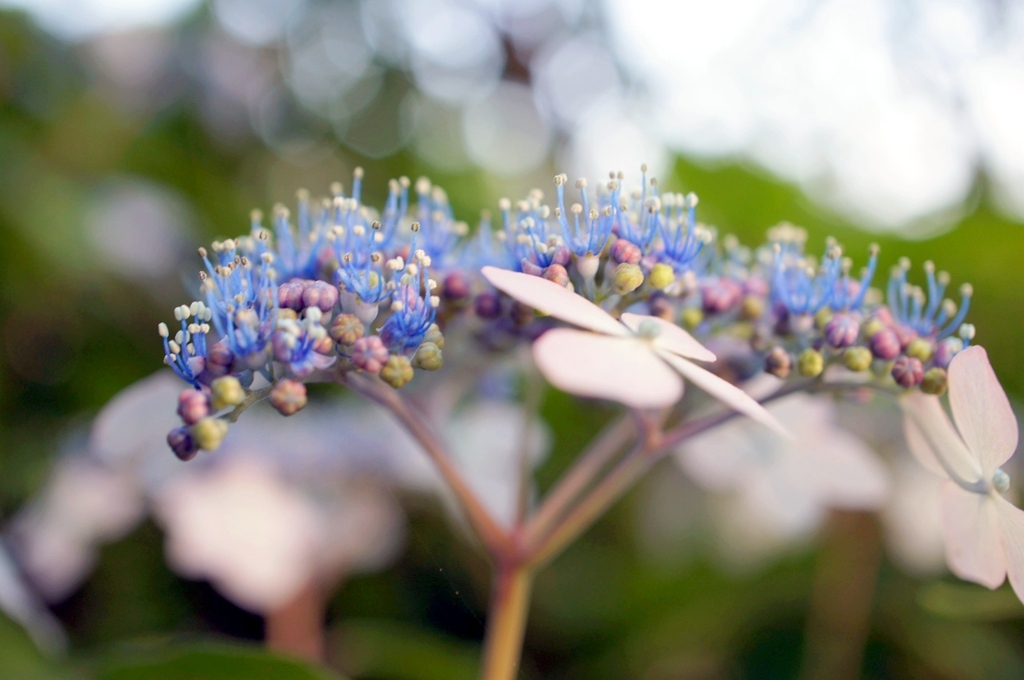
(857, 358)
(208, 433)
(661, 276)
(226, 391)
(692, 316)
(752, 307)
(628, 277)
(920, 349)
(810, 363)
(397, 371)
(434, 335)
(935, 381)
(872, 326)
(346, 329)
(428, 357)
(823, 316)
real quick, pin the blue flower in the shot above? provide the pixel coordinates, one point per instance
(682, 241)
(589, 236)
(413, 305)
(241, 293)
(530, 239)
(186, 352)
(800, 286)
(927, 313)
(295, 343)
(440, 236)
(849, 294)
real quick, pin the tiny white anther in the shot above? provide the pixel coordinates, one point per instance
(434, 301)
(966, 290)
(967, 331)
(504, 204)
(162, 329)
(175, 347)
(576, 208)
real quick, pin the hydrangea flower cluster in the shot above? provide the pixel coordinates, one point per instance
(655, 300)
(348, 288)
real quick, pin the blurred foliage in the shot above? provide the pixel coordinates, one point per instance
(75, 331)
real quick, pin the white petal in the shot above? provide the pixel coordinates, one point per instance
(551, 298)
(944, 444)
(981, 410)
(1011, 529)
(971, 529)
(724, 391)
(620, 369)
(136, 421)
(672, 337)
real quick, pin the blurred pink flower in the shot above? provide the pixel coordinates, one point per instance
(789, 483)
(630, 361)
(984, 532)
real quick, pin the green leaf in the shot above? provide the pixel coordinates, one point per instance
(394, 651)
(210, 661)
(969, 602)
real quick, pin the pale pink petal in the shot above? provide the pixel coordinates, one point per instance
(945, 445)
(672, 337)
(551, 298)
(1011, 528)
(981, 410)
(971, 530)
(620, 369)
(848, 472)
(920, 448)
(724, 391)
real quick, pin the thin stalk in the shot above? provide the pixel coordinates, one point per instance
(297, 626)
(506, 623)
(842, 598)
(610, 489)
(494, 537)
(531, 406)
(600, 452)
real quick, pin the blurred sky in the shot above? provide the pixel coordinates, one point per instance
(885, 111)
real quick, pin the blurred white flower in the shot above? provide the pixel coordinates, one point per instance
(788, 485)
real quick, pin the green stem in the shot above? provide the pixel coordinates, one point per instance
(506, 622)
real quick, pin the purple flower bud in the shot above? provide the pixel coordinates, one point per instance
(908, 372)
(219, 359)
(561, 256)
(288, 396)
(842, 330)
(193, 406)
(456, 287)
(661, 307)
(885, 344)
(720, 294)
(906, 335)
(531, 268)
(320, 294)
(556, 273)
(289, 295)
(946, 350)
(625, 251)
(180, 441)
(369, 353)
(488, 305)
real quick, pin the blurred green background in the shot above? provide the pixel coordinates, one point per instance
(111, 176)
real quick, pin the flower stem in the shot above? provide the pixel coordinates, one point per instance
(506, 622)
(495, 538)
(580, 475)
(296, 627)
(842, 599)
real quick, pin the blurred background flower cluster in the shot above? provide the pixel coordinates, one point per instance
(131, 132)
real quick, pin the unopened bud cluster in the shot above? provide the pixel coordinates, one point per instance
(342, 287)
